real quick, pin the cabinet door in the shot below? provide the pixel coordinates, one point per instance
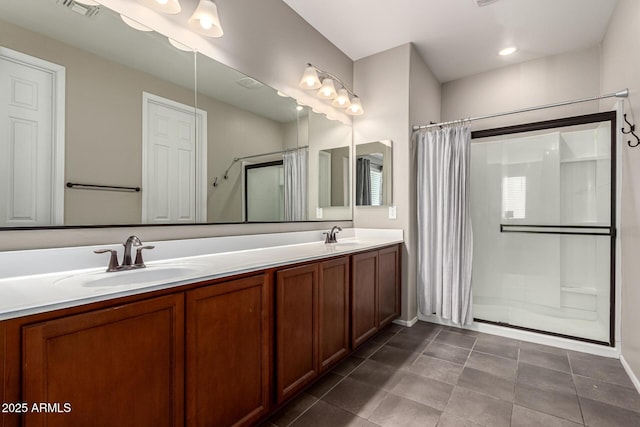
(228, 353)
(388, 285)
(296, 329)
(121, 366)
(364, 297)
(333, 308)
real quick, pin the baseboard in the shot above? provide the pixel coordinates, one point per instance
(630, 372)
(407, 323)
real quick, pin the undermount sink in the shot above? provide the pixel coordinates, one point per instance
(143, 276)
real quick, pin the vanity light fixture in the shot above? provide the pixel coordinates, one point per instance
(315, 78)
(165, 6)
(205, 19)
(508, 51)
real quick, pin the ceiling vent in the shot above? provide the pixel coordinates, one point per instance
(249, 83)
(79, 8)
(481, 3)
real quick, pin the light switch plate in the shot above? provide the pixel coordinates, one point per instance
(392, 212)
(318, 212)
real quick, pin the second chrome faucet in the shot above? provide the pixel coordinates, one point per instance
(127, 263)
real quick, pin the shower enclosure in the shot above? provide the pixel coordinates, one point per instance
(543, 214)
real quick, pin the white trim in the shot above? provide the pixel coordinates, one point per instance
(58, 78)
(201, 151)
(632, 376)
(533, 337)
(407, 323)
(618, 223)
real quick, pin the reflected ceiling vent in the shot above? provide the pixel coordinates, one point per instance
(249, 83)
(85, 7)
(481, 3)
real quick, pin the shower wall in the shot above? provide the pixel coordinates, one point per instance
(541, 211)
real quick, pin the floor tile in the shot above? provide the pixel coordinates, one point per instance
(408, 342)
(383, 337)
(425, 331)
(395, 357)
(424, 390)
(447, 352)
(545, 379)
(497, 349)
(450, 420)
(377, 375)
(394, 327)
(462, 331)
(436, 369)
(322, 415)
(499, 366)
(367, 349)
(604, 369)
(395, 411)
(497, 339)
(611, 394)
(293, 410)
(324, 384)
(479, 408)
(558, 403)
(598, 414)
(455, 339)
(525, 345)
(546, 360)
(484, 382)
(348, 365)
(525, 417)
(356, 397)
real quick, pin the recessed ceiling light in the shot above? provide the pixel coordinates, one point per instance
(507, 51)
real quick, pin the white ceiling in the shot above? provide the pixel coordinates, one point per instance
(455, 37)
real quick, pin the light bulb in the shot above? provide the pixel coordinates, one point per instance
(508, 51)
(342, 100)
(205, 22)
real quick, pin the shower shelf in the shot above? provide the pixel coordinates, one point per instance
(585, 159)
(576, 290)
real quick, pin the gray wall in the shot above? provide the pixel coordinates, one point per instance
(620, 69)
(398, 87)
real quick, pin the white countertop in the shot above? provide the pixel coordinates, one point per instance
(54, 287)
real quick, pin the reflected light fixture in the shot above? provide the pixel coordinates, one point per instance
(165, 6)
(134, 24)
(508, 51)
(205, 19)
(88, 2)
(345, 98)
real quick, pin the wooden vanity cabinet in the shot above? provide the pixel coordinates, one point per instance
(333, 311)
(296, 329)
(375, 292)
(312, 322)
(228, 353)
(118, 366)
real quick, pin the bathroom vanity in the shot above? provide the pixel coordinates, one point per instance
(228, 348)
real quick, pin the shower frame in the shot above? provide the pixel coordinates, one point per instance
(610, 116)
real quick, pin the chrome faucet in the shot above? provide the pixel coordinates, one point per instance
(330, 236)
(127, 263)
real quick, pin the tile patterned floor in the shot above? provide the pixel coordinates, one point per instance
(431, 375)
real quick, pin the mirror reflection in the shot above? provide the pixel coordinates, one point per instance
(116, 107)
(333, 186)
(374, 173)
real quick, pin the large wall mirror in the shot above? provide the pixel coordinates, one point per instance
(88, 100)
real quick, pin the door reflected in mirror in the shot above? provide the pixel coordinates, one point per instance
(374, 173)
(333, 185)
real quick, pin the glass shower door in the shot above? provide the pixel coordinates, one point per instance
(542, 215)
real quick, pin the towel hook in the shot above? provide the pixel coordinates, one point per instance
(631, 131)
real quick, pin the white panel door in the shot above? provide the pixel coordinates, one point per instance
(27, 143)
(170, 191)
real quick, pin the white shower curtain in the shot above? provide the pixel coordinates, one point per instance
(295, 184)
(445, 239)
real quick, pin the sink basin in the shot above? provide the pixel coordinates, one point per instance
(140, 277)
